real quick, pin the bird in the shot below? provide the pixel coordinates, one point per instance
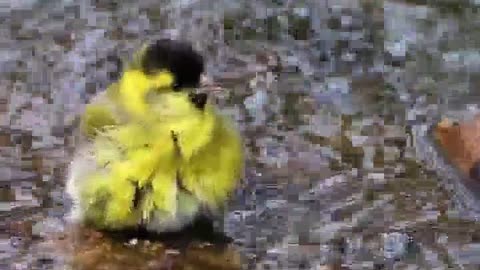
(153, 152)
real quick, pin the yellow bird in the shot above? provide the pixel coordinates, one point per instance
(154, 153)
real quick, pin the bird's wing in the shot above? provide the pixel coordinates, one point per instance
(213, 171)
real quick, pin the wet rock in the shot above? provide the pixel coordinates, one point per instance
(324, 186)
(255, 106)
(432, 258)
(48, 227)
(377, 178)
(275, 258)
(135, 27)
(396, 52)
(290, 64)
(458, 60)
(8, 60)
(20, 229)
(394, 245)
(466, 254)
(272, 153)
(326, 233)
(338, 85)
(10, 174)
(6, 249)
(319, 126)
(134, 242)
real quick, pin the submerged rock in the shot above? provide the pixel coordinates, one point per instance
(8, 174)
(394, 245)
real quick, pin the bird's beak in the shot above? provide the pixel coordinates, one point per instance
(205, 80)
(199, 100)
(208, 85)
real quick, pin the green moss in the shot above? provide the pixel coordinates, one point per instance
(389, 88)
(335, 165)
(379, 158)
(273, 28)
(157, 18)
(318, 140)
(249, 33)
(17, 76)
(445, 6)
(350, 154)
(299, 28)
(412, 168)
(370, 195)
(290, 110)
(347, 121)
(229, 23)
(6, 194)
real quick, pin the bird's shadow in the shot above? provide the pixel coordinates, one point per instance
(202, 229)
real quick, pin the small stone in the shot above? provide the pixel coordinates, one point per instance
(204, 245)
(394, 244)
(172, 252)
(47, 227)
(377, 177)
(133, 242)
(9, 174)
(467, 254)
(338, 85)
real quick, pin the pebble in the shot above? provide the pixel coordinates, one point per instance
(394, 245)
(48, 226)
(204, 245)
(172, 252)
(338, 85)
(9, 174)
(133, 242)
(467, 254)
(457, 60)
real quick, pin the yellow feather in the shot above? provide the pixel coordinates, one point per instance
(163, 80)
(160, 156)
(95, 118)
(164, 191)
(133, 88)
(196, 132)
(137, 57)
(147, 207)
(104, 208)
(212, 173)
(176, 113)
(135, 85)
(128, 136)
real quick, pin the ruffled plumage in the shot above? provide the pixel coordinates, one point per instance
(145, 135)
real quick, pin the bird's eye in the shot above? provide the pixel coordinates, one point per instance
(199, 100)
(176, 87)
(174, 136)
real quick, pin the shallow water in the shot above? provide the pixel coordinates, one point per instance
(332, 179)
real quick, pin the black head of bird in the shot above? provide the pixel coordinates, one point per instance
(178, 57)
